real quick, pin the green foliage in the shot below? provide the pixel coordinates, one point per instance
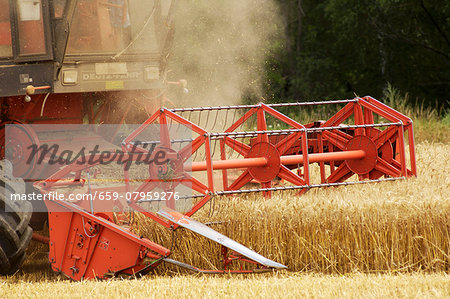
(395, 99)
(339, 48)
(428, 124)
(446, 119)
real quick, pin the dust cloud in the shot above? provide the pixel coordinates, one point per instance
(220, 48)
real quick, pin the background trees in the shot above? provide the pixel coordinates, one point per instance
(339, 48)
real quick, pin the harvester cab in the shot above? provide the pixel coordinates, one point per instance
(80, 62)
(79, 46)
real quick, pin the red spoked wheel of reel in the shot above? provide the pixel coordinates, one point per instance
(167, 170)
(268, 149)
(377, 144)
(17, 141)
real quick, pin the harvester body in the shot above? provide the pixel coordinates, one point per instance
(79, 61)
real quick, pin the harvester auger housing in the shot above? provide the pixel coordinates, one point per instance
(364, 139)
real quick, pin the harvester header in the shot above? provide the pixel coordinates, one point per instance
(350, 143)
(230, 150)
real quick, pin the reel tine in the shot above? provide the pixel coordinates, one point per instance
(195, 156)
(215, 121)
(234, 115)
(208, 113)
(226, 120)
(214, 148)
(200, 118)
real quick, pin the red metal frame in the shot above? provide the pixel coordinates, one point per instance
(349, 143)
(365, 150)
(87, 246)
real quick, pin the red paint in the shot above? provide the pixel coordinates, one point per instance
(365, 152)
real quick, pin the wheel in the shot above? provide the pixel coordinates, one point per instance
(15, 232)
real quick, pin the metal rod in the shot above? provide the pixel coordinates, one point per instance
(285, 160)
(159, 142)
(288, 131)
(232, 107)
(218, 136)
(324, 157)
(40, 238)
(286, 188)
(227, 164)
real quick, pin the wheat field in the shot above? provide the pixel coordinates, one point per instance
(399, 226)
(253, 286)
(381, 240)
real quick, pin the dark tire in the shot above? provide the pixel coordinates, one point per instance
(15, 215)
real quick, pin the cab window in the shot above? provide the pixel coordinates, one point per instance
(30, 27)
(118, 26)
(5, 30)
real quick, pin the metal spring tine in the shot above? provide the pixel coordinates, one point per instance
(309, 130)
(236, 154)
(246, 141)
(215, 120)
(253, 123)
(278, 138)
(234, 116)
(232, 154)
(208, 112)
(203, 155)
(299, 110)
(230, 150)
(176, 133)
(298, 153)
(178, 127)
(170, 123)
(214, 147)
(200, 118)
(226, 121)
(195, 155)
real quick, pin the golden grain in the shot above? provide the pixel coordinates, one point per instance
(388, 228)
(254, 286)
(393, 226)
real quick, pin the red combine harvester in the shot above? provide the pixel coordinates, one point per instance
(73, 62)
(362, 141)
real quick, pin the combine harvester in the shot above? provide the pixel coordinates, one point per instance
(85, 243)
(74, 62)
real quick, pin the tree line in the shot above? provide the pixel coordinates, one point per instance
(343, 48)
